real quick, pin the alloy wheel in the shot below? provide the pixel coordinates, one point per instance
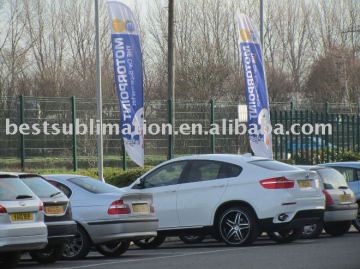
(73, 246)
(235, 227)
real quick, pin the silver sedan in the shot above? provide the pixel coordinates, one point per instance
(108, 217)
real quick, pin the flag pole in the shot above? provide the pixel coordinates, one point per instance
(100, 150)
(262, 23)
(171, 76)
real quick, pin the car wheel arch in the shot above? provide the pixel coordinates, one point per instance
(229, 204)
(83, 226)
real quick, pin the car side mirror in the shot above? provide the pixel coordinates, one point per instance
(140, 184)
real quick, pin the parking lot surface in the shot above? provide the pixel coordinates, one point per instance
(323, 253)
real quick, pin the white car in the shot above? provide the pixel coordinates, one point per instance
(22, 226)
(233, 197)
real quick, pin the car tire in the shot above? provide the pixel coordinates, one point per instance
(285, 236)
(337, 228)
(48, 255)
(77, 247)
(150, 243)
(113, 249)
(192, 239)
(9, 259)
(237, 226)
(312, 231)
(356, 222)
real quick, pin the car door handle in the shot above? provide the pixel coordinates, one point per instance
(218, 186)
(172, 191)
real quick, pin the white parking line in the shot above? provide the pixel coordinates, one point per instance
(160, 258)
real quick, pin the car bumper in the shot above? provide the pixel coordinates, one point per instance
(22, 243)
(23, 236)
(58, 231)
(121, 229)
(341, 213)
(301, 218)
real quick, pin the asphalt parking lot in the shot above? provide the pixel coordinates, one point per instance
(325, 252)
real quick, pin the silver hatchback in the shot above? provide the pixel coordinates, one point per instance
(341, 207)
(22, 225)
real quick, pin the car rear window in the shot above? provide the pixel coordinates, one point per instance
(274, 165)
(12, 188)
(93, 185)
(40, 187)
(332, 179)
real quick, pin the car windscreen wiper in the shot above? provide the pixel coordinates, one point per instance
(23, 196)
(54, 194)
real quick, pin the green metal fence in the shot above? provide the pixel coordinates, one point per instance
(79, 151)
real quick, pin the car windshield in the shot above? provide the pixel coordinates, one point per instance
(93, 185)
(275, 165)
(12, 188)
(40, 187)
(332, 179)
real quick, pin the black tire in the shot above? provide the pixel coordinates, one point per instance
(48, 255)
(337, 228)
(237, 226)
(192, 239)
(77, 247)
(356, 222)
(150, 243)
(113, 249)
(312, 231)
(285, 236)
(9, 259)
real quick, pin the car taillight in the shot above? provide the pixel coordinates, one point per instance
(152, 209)
(328, 199)
(2, 210)
(41, 207)
(277, 183)
(118, 208)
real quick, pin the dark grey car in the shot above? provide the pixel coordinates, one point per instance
(57, 217)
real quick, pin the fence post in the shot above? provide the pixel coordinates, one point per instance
(307, 138)
(327, 107)
(301, 135)
(74, 138)
(292, 106)
(212, 121)
(124, 163)
(22, 137)
(358, 132)
(275, 137)
(170, 136)
(312, 139)
(353, 132)
(327, 139)
(348, 131)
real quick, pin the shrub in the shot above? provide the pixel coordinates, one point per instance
(125, 178)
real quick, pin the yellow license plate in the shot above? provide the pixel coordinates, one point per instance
(141, 208)
(345, 198)
(305, 183)
(54, 210)
(22, 217)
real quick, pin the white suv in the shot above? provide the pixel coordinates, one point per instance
(233, 197)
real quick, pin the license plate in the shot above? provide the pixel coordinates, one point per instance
(345, 198)
(22, 217)
(141, 208)
(54, 210)
(305, 184)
